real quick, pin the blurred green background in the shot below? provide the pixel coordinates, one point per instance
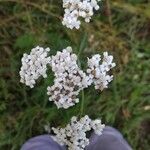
(121, 27)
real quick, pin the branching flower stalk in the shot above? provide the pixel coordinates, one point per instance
(69, 78)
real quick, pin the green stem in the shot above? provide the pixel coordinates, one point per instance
(82, 104)
(108, 9)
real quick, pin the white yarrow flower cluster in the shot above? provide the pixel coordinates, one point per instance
(98, 72)
(69, 79)
(78, 8)
(74, 134)
(34, 65)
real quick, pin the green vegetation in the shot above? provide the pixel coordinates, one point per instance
(122, 27)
